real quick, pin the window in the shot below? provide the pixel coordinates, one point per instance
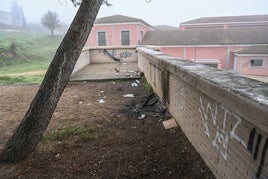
(102, 38)
(142, 34)
(215, 65)
(125, 38)
(255, 62)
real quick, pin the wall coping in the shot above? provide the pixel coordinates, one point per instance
(109, 47)
(242, 95)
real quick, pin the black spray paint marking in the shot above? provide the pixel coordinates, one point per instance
(257, 146)
(258, 174)
(251, 140)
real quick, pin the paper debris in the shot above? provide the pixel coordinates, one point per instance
(134, 84)
(170, 123)
(142, 116)
(101, 101)
(129, 96)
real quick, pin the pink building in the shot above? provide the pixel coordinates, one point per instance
(225, 49)
(252, 60)
(118, 30)
(227, 22)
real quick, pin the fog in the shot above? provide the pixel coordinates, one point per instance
(158, 12)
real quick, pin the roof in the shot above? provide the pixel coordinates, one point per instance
(254, 50)
(227, 19)
(119, 19)
(207, 37)
(165, 28)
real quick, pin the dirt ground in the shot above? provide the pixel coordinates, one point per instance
(121, 146)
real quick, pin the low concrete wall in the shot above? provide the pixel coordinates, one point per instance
(224, 116)
(126, 54)
(83, 60)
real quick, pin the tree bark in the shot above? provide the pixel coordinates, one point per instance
(30, 131)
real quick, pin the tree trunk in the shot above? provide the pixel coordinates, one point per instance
(30, 131)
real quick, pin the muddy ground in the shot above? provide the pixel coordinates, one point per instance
(120, 144)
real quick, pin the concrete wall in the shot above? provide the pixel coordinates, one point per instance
(126, 54)
(113, 33)
(223, 115)
(83, 60)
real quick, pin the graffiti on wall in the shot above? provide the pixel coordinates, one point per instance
(222, 137)
(254, 150)
(125, 54)
(113, 53)
(182, 101)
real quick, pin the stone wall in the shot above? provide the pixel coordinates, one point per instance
(223, 115)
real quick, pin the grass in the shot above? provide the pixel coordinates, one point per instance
(147, 86)
(22, 52)
(85, 132)
(26, 79)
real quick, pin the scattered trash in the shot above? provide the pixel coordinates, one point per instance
(142, 116)
(116, 73)
(116, 70)
(80, 102)
(129, 96)
(127, 74)
(120, 88)
(113, 82)
(160, 120)
(57, 156)
(170, 123)
(119, 115)
(134, 84)
(102, 91)
(131, 71)
(101, 101)
(104, 97)
(124, 64)
(137, 81)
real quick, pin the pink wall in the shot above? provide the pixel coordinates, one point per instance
(113, 33)
(242, 65)
(224, 54)
(205, 54)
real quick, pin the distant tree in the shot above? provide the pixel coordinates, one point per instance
(51, 21)
(18, 18)
(23, 19)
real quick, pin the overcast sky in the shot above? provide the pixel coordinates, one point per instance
(158, 12)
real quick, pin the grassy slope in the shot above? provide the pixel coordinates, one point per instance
(22, 52)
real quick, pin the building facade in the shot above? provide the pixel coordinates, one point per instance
(242, 50)
(226, 22)
(118, 30)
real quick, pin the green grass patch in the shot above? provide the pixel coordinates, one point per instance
(147, 86)
(24, 52)
(27, 79)
(85, 132)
